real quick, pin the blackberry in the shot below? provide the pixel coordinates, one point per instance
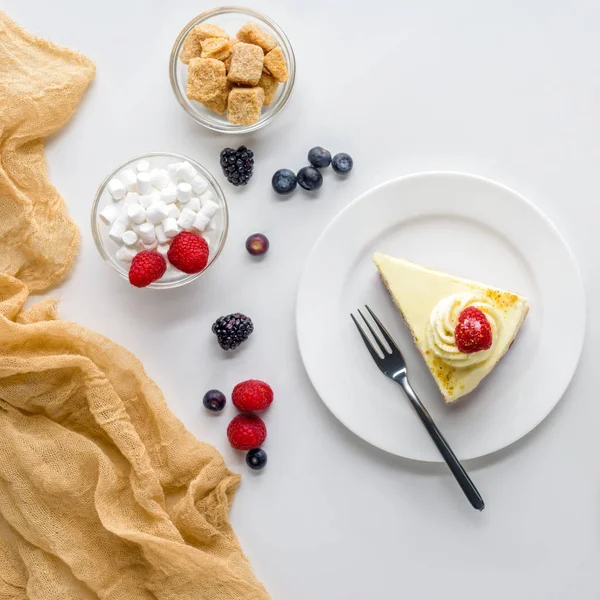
(237, 165)
(232, 330)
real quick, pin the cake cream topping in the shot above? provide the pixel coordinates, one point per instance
(442, 325)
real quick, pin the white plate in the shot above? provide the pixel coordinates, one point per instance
(470, 227)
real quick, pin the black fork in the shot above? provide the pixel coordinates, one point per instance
(393, 365)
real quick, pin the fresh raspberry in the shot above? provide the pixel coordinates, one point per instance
(252, 395)
(146, 267)
(188, 252)
(246, 432)
(473, 332)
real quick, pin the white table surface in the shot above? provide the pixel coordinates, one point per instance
(505, 90)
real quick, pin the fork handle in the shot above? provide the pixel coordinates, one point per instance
(461, 476)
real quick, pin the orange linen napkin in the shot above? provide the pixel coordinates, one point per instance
(103, 492)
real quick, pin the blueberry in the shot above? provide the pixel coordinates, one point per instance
(284, 181)
(214, 400)
(256, 459)
(257, 244)
(342, 163)
(310, 178)
(319, 157)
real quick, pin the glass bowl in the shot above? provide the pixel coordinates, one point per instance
(231, 19)
(107, 247)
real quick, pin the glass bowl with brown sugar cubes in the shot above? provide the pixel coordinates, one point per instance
(232, 69)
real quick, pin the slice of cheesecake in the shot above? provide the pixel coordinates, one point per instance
(462, 328)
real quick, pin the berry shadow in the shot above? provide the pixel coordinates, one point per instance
(312, 195)
(257, 258)
(282, 197)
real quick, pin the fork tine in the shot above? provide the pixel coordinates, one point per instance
(366, 340)
(384, 331)
(375, 336)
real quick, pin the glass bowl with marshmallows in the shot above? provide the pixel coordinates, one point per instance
(144, 204)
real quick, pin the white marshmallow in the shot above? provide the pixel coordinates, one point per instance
(130, 238)
(132, 198)
(206, 197)
(170, 227)
(151, 246)
(143, 183)
(129, 179)
(157, 212)
(108, 214)
(174, 211)
(209, 209)
(201, 222)
(116, 189)
(136, 213)
(169, 194)
(163, 249)
(211, 226)
(194, 204)
(172, 171)
(159, 178)
(199, 184)
(142, 166)
(186, 172)
(123, 217)
(136, 228)
(147, 233)
(146, 201)
(160, 234)
(184, 192)
(125, 254)
(116, 231)
(186, 219)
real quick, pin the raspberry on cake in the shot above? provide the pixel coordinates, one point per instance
(473, 332)
(462, 328)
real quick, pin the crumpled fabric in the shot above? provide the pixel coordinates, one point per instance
(103, 492)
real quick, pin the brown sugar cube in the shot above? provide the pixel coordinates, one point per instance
(192, 45)
(276, 64)
(219, 103)
(206, 79)
(232, 42)
(218, 48)
(244, 105)
(246, 64)
(251, 33)
(192, 48)
(269, 84)
(209, 30)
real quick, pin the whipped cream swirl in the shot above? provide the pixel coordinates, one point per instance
(443, 321)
